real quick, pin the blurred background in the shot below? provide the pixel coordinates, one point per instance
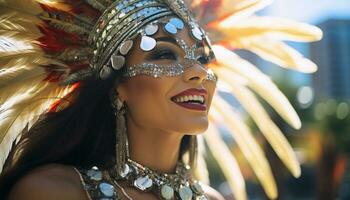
(322, 101)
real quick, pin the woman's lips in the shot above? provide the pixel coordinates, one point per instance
(192, 106)
(193, 99)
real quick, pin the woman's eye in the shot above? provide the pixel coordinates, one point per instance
(166, 55)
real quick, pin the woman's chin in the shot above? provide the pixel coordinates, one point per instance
(195, 128)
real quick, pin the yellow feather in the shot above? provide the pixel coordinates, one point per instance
(276, 28)
(226, 161)
(248, 145)
(12, 20)
(28, 6)
(257, 81)
(272, 133)
(201, 170)
(236, 11)
(14, 118)
(22, 88)
(277, 52)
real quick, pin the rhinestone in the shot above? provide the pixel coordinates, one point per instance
(170, 28)
(185, 193)
(125, 47)
(104, 34)
(196, 33)
(107, 189)
(117, 61)
(143, 183)
(202, 197)
(147, 43)
(197, 188)
(167, 192)
(178, 23)
(105, 72)
(125, 171)
(94, 174)
(151, 29)
(121, 15)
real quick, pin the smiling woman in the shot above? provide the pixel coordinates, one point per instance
(105, 99)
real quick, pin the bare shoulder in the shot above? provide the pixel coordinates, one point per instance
(55, 182)
(212, 193)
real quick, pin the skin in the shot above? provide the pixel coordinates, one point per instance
(155, 127)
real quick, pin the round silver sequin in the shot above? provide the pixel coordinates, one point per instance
(167, 192)
(107, 189)
(196, 33)
(143, 183)
(147, 43)
(178, 23)
(94, 174)
(125, 47)
(202, 197)
(105, 72)
(125, 171)
(151, 29)
(185, 193)
(197, 188)
(170, 28)
(117, 61)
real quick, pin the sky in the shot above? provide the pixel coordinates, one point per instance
(311, 11)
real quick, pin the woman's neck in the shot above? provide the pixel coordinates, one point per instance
(155, 149)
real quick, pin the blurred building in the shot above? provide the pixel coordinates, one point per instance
(332, 55)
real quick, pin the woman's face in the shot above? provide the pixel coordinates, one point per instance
(163, 102)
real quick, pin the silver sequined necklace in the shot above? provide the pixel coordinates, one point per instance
(179, 186)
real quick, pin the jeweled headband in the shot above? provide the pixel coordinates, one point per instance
(113, 34)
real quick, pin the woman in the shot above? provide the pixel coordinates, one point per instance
(160, 107)
(111, 99)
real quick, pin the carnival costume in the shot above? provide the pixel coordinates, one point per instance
(47, 47)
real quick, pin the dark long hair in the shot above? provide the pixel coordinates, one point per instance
(81, 135)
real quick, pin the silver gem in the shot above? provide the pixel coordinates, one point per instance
(167, 192)
(170, 28)
(105, 72)
(117, 61)
(143, 183)
(94, 174)
(202, 197)
(121, 15)
(147, 43)
(178, 23)
(197, 34)
(151, 29)
(197, 188)
(125, 171)
(107, 189)
(185, 193)
(125, 47)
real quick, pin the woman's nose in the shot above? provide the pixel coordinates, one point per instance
(195, 73)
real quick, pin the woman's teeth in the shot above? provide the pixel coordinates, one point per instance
(190, 99)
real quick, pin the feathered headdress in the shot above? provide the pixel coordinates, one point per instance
(44, 42)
